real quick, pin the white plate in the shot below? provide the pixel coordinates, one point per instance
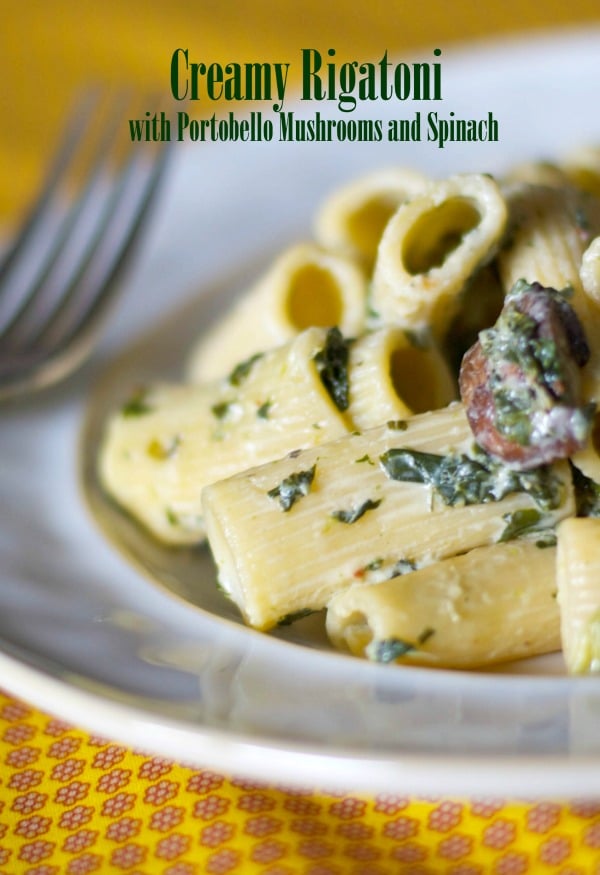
(86, 635)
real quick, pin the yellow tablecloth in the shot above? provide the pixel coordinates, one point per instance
(73, 803)
(76, 804)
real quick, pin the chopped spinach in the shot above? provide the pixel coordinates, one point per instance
(172, 517)
(241, 370)
(391, 649)
(425, 635)
(461, 480)
(288, 619)
(582, 219)
(397, 424)
(374, 564)
(587, 494)
(188, 521)
(355, 513)
(546, 539)
(513, 417)
(332, 365)
(528, 371)
(293, 487)
(521, 522)
(264, 410)
(221, 409)
(371, 312)
(402, 566)
(137, 405)
(513, 340)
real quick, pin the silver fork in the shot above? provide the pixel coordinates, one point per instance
(65, 264)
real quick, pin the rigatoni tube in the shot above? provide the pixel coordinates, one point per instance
(431, 247)
(493, 604)
(391, 376)
(348, 515)
(549, 230)
(353, 218)
(305, 286)
(160, 450)
(578, 579)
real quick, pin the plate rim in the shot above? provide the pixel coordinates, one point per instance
(294, 764)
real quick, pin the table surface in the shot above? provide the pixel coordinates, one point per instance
(74, 803)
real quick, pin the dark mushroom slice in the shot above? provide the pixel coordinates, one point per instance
(520, 381)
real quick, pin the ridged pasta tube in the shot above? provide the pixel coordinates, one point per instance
(161, 450)
(353, 217)
(392, 377)
(305, 286)
(431, 247)
(578, 579)
(491, 605)
(550, 230)
(538, 173)
(341, 515)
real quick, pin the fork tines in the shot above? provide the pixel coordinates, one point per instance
(62, 268)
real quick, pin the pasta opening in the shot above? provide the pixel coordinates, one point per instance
(437, 233)
(366, 224)
(314, 298)
(415, 378)
(356, 632)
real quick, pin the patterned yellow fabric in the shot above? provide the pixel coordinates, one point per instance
(77, 804)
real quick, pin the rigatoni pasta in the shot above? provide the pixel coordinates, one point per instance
(169, 441)
(353, 218)
(431, 247)
(318, 443)
(163, 446)
(363, 502)
(538, 173)
(391, 375)
(492, 604)
(550, 229)
(306, 286)
(578, 579)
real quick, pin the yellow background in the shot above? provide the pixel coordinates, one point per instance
(49, 49)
